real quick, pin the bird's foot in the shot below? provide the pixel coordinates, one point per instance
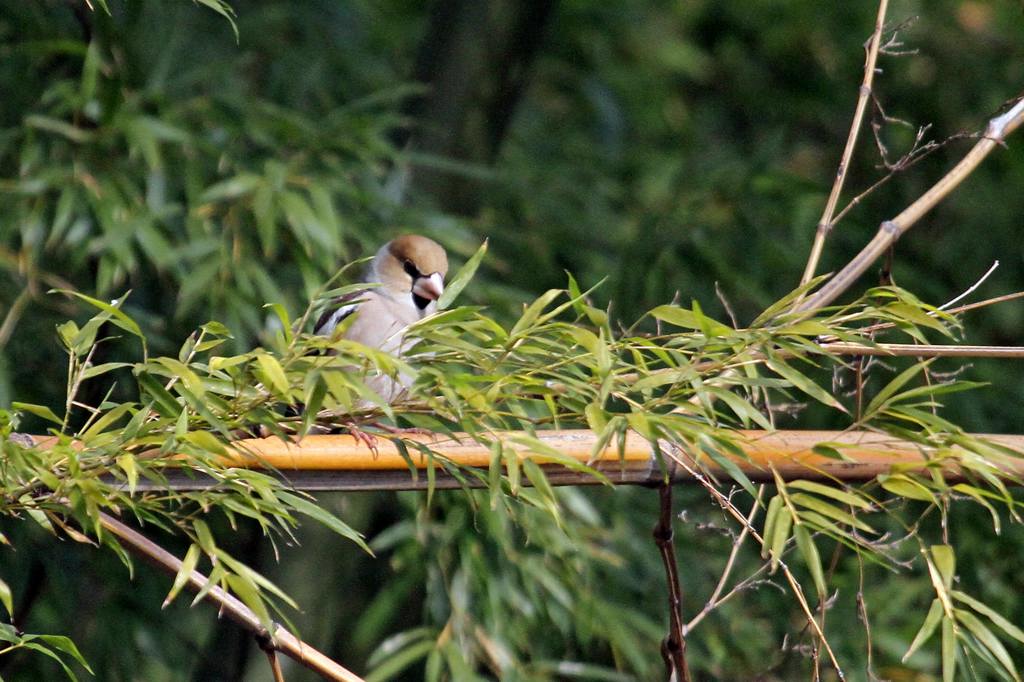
(368, 439)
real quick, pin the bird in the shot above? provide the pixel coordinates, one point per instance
(409, 272)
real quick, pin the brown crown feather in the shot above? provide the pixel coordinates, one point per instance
(424, 253)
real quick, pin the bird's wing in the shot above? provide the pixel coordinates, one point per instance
(340, 308)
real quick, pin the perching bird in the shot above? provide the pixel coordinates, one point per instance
(410, 271)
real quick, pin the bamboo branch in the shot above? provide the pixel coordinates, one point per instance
(912, 350)
(673, 647)
(825, 223)
(342, 462)
(890, 230)
(282, 640)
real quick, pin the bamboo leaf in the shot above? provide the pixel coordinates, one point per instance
(948, 650)
(317, 513)
(982, 608)
(38, 410)
(988, 640)
(462, 278)
(728, 465)
(771, 519)
(188, 564)
(780, 535)
(931, 621)
(904, 486)
(65, 644)
(274, 373)
(809, 552)
(945, 562)
(804, 384)
(117, 316)
(831, 511)
(835, 493)
(5, 598)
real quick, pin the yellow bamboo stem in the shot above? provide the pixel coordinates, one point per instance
(788, 452)
(342, 462)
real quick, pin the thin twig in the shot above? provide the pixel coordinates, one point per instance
(715, 599)
(673, 648)
(282, 640)
(793, 584)
(971, 289)
(826, 223)
(889, 231)
(862, 613)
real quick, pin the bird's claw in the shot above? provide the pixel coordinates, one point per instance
(367, 439)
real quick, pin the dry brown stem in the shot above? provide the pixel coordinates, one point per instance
(281, 640)
(826, 222)
(889, 231)
(673, 648)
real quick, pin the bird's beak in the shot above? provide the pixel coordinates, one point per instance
(429, 288)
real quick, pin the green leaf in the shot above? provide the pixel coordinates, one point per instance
(97, 370)
(109, 417)
(5, 598)
(117, 316)
(163, 401)
(224, 9)
(809, 552)
(282, 317)
(945, 562)
(893, 386)
(988, 640)
(63, 128)
(461, 278)
(931, 621)
(709, 447)
(905, 486)
(688, 319)
(204, 440)
(803, 383)
(131, 470)
(948, 650)
(317, 513)
(771, 519)
(65, 644)
(246, 590)
(533, 311)
(188, 564)
(38, 410)
(984, 609)
(274, 373)
(779, 536)
(203, 537)
(540, 481)
(399, 660)
(831, 511)
(838, 494)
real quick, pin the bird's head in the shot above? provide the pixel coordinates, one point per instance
(412, 265)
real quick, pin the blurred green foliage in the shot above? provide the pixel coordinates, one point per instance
(665, 146)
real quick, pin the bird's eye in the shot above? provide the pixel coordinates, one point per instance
(411, 270)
